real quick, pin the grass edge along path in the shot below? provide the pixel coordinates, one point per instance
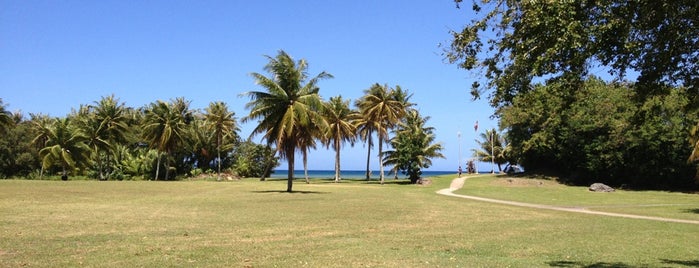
(458, 183)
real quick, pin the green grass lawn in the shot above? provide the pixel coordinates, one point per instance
(350, 224)
(548, 192)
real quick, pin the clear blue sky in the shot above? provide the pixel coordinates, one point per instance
(56, 55)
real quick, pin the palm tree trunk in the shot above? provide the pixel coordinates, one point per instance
(218, 149)
(99, 163)
(305, 166)
(337, 160)
(290, 174)
(380, 160)
(157, 167)
(167, 166)
(65, 174)
(368, 157)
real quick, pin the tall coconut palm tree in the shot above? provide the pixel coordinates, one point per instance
(64, 146)
(341, 127)
(223, 124)
(288, 108)
(381, 106)
(41, 125)
(111, 118)
(163, 129)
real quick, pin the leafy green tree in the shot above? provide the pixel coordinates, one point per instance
(17, 155)
(254, 160)
(288, 107)
(602, 133)
(413, 146)
(381, 109)
(64, 147)
(341, 127)
(516, 42)
(491, 148)
(164, 127)
(223, 124)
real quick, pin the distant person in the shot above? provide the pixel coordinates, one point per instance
(459, 171)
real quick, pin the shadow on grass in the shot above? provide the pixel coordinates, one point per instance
(589, 265)
(694, 263)
(292, 192)
(692, 210)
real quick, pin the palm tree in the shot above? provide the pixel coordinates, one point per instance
(491, 148)
(381, 106)
(288, 108)
(341, 127)
(223, 123)
(365, 131)
(5, 118)
(41, 125)
(64, 146)
(163, 128)
(111, 118)
(413, 146)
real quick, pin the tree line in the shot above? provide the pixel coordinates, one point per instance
(166, 140)
(542, 61)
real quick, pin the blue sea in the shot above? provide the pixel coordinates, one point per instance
(351, 174)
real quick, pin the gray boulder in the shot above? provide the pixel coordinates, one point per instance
(600, 187)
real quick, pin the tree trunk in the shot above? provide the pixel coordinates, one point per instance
(305, 166)
(157, 167)
(167, 166)
(290, 175)
(64, 176)
(99, 163)
(218, 149)
(337, 160)
(368, 157)
(380, 160)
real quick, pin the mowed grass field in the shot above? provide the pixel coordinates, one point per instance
(248, 223)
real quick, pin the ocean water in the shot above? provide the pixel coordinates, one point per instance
(351, 174)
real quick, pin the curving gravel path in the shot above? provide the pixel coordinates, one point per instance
(458, 183)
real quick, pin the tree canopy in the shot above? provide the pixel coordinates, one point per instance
(516, 42)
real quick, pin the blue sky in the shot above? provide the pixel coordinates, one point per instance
(56, 55)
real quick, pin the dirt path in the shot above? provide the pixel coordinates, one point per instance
(458, 183)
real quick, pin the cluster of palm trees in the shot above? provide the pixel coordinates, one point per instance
(292, 116)
(109, 139)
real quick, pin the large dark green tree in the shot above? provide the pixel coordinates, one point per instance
(605, 134)
(516, 42)
(542, 55)
(288, 108)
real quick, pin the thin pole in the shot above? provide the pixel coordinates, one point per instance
(458, 135)
(492, 151)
